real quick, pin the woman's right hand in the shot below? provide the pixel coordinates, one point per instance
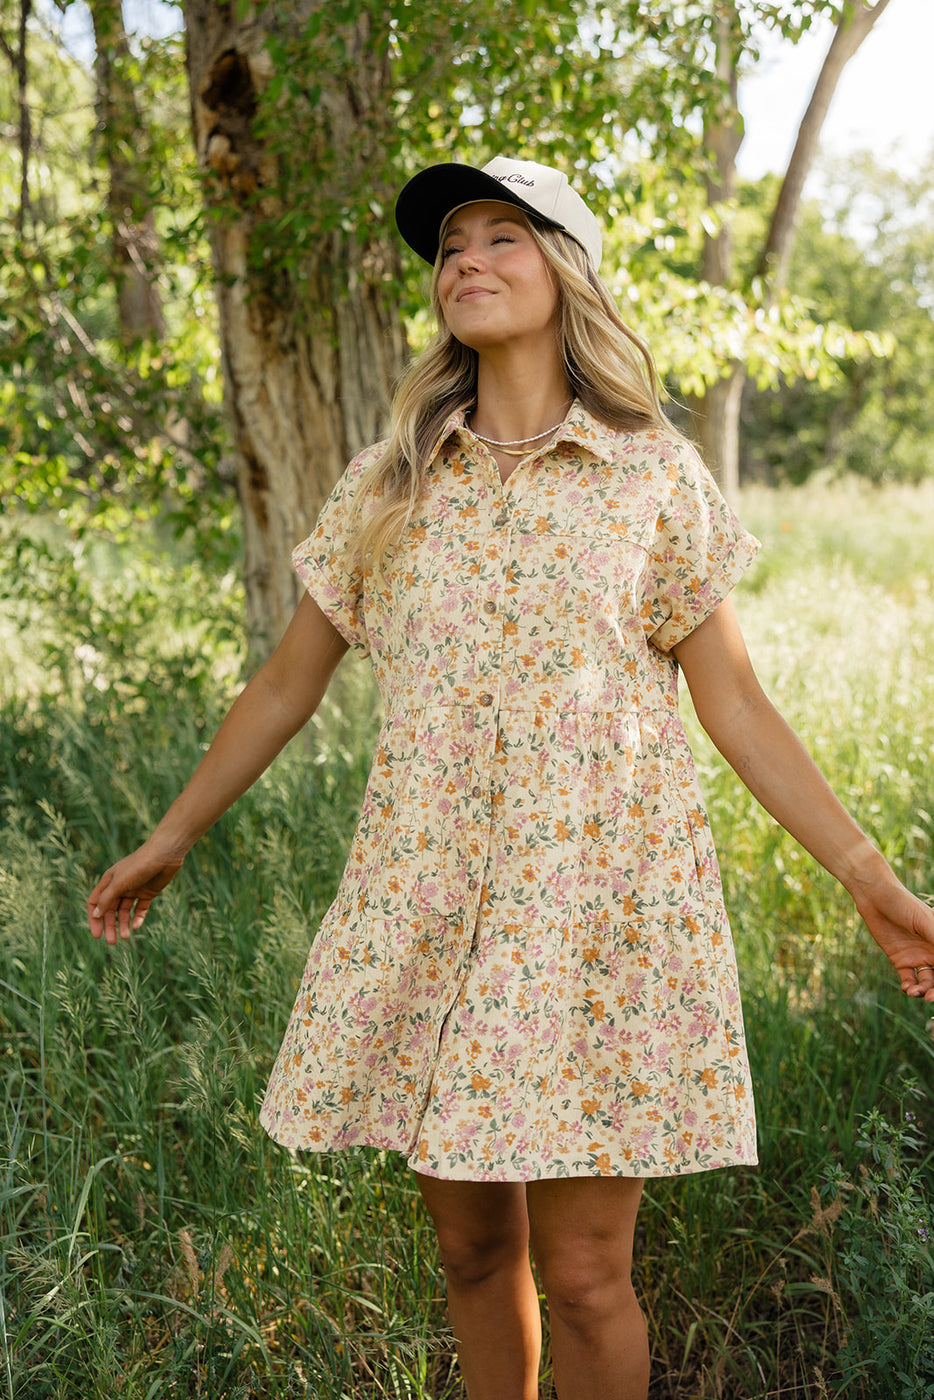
(281, 697)
(119, 902)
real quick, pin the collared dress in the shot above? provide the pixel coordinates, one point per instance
(527, 971)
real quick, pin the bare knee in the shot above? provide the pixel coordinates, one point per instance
(587, 1291)
(472, 1257)
(582, 1234)
(482, 1228)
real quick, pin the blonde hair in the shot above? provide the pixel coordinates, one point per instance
(609, 369)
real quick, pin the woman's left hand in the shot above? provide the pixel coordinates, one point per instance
(903, 927)
(772, 762)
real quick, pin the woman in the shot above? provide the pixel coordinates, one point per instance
(526, 981)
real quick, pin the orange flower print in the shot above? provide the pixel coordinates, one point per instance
(528, 942)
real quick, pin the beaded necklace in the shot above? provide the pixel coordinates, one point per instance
(516, 442)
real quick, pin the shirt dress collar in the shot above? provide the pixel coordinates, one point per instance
(579, 426)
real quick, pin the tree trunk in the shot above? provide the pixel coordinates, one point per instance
(134, 242)
(716, 413)
(310, 352)
(716, 427)
(851, 30)
(19, 62)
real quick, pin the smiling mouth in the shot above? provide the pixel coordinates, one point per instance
(469, 292)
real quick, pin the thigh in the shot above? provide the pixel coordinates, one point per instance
(476, 1215)
(585, 1221)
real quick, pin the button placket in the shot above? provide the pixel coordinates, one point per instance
(490, 586)
(491, 583)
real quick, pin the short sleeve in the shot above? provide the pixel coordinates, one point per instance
(328, 564)
(699, 553)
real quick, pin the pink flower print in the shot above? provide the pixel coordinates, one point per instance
(578, 671)
(500, 979)
(447, 1105)
(618, 1115)
(464, 1137)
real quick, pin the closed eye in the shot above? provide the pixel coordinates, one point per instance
(453, 248)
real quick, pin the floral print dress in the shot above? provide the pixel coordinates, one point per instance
(527, 971)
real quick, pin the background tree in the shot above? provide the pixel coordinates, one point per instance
(706, 47)
(310, 337)
(864, 254)
(121, 134)
(96, 423)
(14, 32)
(307, 118)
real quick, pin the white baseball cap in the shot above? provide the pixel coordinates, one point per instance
(433, 194)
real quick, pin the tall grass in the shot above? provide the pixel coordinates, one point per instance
(156, 1244)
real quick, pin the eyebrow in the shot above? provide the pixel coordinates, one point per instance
(489, 223)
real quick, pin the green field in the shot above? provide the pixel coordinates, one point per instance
(156, 1244)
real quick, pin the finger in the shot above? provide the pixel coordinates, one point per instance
(110, 917)
(125, 915)
(96, 905)
(919, 981)
(110, 927)
(140, 912)
(99, 918)
(132, 914)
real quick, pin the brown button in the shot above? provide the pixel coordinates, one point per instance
(486, 698)
(502, 519)
(476, 790)
(489, 607)
(471, 883)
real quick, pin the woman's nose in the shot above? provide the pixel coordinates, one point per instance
(469, 258)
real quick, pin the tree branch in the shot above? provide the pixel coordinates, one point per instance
(852, 28)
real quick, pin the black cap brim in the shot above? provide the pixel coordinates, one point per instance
(428, 198)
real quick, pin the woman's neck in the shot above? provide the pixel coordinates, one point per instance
(518, 405)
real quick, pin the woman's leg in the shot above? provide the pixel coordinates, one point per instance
(581, 1231)
(483, 1234)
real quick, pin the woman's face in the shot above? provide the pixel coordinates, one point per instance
(494, 285)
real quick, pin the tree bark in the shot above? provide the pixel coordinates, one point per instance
(134, 243)
(851, 30)
(310, 352)
(716, 427)
(19, 62)
(716, 413)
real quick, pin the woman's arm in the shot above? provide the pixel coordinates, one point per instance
(768, 756)
(275, 704)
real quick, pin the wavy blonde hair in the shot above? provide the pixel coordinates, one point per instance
(609, 369)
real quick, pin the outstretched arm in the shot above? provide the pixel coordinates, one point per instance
(768, 756)
(275, 704)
